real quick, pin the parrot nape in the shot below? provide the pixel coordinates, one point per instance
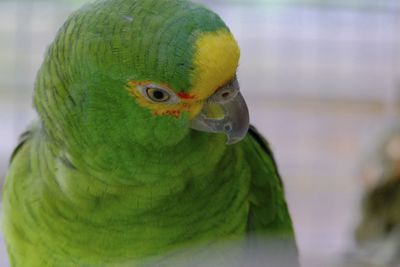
(142, 147)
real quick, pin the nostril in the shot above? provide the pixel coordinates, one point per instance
(226, 94)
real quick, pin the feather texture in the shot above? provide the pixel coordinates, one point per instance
(100, 180)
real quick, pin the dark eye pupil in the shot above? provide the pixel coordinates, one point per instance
(159, 95)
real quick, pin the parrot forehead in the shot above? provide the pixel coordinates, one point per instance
(215, 62)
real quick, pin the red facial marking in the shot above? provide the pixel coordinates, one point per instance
(184, 95)
(173, 112)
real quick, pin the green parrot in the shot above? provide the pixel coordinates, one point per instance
(142, 147)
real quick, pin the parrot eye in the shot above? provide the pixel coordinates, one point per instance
(157, 94)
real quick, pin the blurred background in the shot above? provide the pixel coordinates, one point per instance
(321, 79)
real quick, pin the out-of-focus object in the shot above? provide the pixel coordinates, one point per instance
(383, 162)
(378, 233)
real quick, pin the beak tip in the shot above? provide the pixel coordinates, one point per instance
(233, 139)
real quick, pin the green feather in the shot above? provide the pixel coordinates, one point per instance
(100, 180)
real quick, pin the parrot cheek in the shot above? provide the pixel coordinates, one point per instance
(194, 109)
(170, 130)
(171, 112)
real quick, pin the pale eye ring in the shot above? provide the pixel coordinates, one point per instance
(157, 94)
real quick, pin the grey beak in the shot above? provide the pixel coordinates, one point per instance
(232, 117)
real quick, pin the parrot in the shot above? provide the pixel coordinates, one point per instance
(142, 148)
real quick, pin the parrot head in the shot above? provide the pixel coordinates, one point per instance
(146, 72)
